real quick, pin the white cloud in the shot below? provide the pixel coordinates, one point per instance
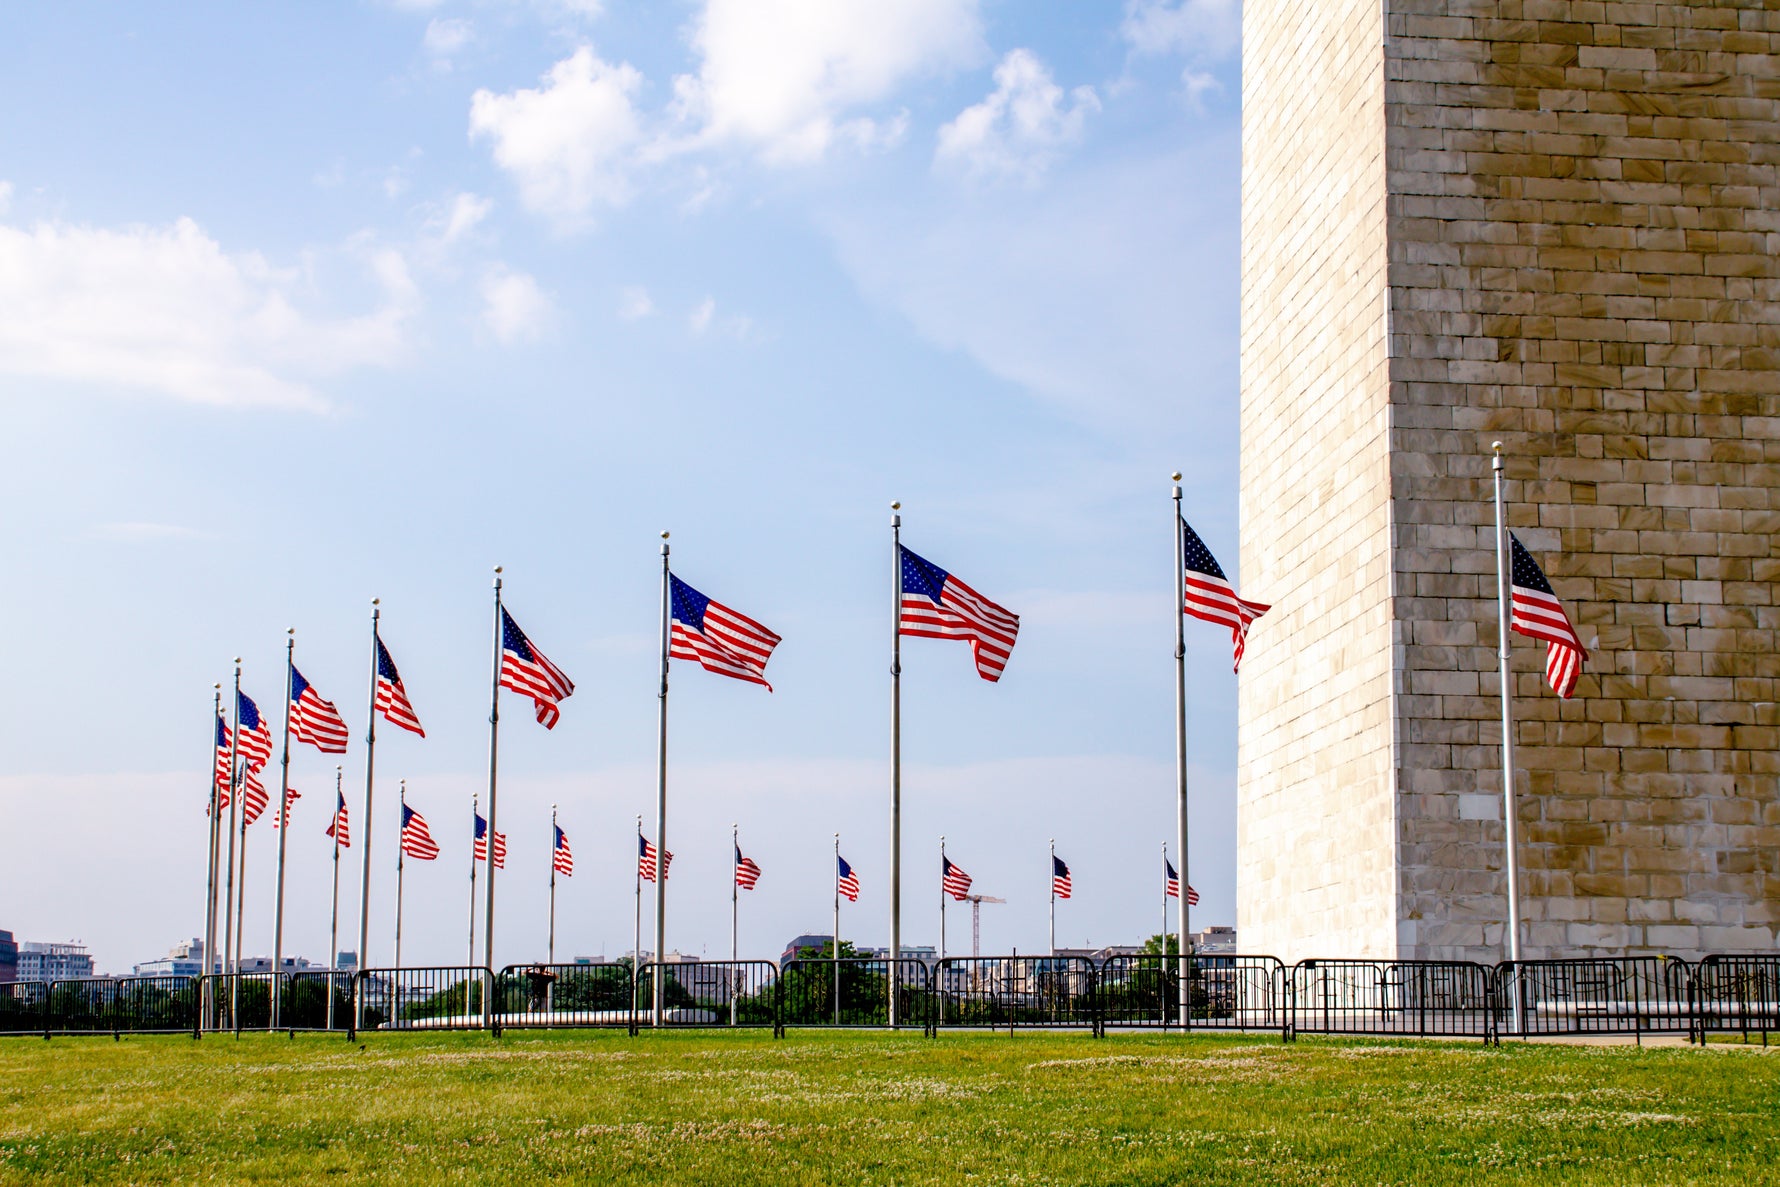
(168, 310)
(700, 317)
(133, 532)
(444, 37)
(1020, 128)
(783, 74)
(634, 304)
(514, 308)
(1193, 28)
(567, 142)
(703, 320)
(467, 210)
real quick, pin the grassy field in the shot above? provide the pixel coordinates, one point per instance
(869, 1108)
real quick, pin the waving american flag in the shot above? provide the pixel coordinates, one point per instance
(1171, 884)
(1062, 885)
(747, 872)
(1538, 613)
(721, 640)
(220, 770)
(314, 720)
(646, 860)
(561, 860)
(846, 881)
(417, 839)
(392, 698)
(1210, 596)
(255, 735)
(481, 849)
(936, 605)
(338, 827)
(952, 878)
(525, 670)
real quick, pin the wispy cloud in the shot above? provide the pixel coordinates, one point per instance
(142, 532)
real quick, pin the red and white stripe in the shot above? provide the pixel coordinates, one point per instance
(291, 795)
(954, 881)
(256, 745)
(963, 613)
(1212, 599)
(500, 850)
(318, 723)
(253, 795)
(339, 827)
(220, 771)
(747, 871)
(646, 862)
(563, 861)
(417, 839)
(1062, 885)
(848, 885)
(731, 644)
(392, 702)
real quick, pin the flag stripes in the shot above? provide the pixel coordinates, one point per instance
(392, 698)
(936, 605)
(561, 860)
(846, 881)
(952, 879)
(314, 720)
(339, 828)
(1208, 594)
(526, 671)
(1171, 884)
(481, 844)
(646, 860)
(1536, 612)
(718, 638)
(1061, 883)
(255, 737)
(253, 795)
(291, 796)
(417, 839)
(747, 872)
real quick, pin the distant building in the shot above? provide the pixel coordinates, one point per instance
(9, 958)
(53, 962)
(184, 959)
(346, 962)
(1214, 941)
(263, 964)
(799, 943)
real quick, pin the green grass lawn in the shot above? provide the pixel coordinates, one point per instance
(869, 1107)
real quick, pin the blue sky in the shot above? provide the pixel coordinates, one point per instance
(305, 305)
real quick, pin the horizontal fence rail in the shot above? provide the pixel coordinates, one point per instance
(1409, 998)
(1618, 995)
(854, 991)
(709, 993)
(1010, 991)
(1736, 993)
(441, 997)
(528, 995)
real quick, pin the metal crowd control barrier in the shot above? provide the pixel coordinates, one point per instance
(315, 999)
(533, 995)
(853, 991)
(710, 993)
(1226, 992)
(1615, 995)
(1408, 998)
(1735, 993)
(441, 997)
(23, 1008)
(235, 1001)
(1010, 991)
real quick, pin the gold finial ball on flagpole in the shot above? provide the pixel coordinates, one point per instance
(1176, 475)
(1496, 445)
(237, 659)
(376, 601)
(896, 505)
(498, 568)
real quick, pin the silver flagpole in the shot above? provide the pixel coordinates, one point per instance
(241, 876)
(834, 949)
(364, 886)
(636, 951)
(334, 925)
(735, 897)
(1163, 996)
(1053, 896)
(895, 752)
(210, 965)
(1178, 595)
(661, 786)
(941, 967)
(229, 925)
(1510, 817)
(401, 852)
(494, 741)
(283, 822)
(550, 951)
(471, 959)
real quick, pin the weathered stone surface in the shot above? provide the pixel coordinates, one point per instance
(1551, 223)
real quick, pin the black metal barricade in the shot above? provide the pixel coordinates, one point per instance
(563, 995)
(1010, 991)
(23, 1008)
(441, 997)
(1736, 993)
(315, 999)
(1615, 995)
(854, 991)
(235, 1001)
(709, 993)
(83, 1005)
(1417, 998)
(1226, 992)
(156, 1005)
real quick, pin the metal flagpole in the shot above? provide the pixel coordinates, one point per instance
(834, 949)
(229, 879)
(636, 952)
(1053, 896)
(550, 950)
(1178, 595)
(241, 877)
(494, 740)
(661, 785)
(1163, 995)
(334, 925)
(895, 753)
(735, 845)
(471, 959)
(1510, 817)
(210, 888)
(290, 647)
(401, 852)
(364, 886)
(942, 923)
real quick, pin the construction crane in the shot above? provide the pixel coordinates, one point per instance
(976, 902)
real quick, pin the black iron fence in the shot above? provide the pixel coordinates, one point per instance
(1524, 999)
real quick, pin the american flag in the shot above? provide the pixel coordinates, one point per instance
(253, 795)
(1172, 881)
(392, 698)
(416, 840)
(338, 827)
(721, 640)
(255, 735)
(1061, 883)
(936, 605)
(747, 872)
(220, 770)
(291, 796)
(1537, 612)
(646, 860)
(952, 879)
(846, 881)
(525, 670)
(1209, 595)
(314, 720)
(481, 850)
(562, 861)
